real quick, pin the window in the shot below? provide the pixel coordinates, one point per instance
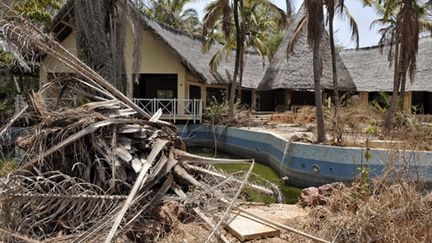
(165, 94)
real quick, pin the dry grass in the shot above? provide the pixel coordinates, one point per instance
(7, 166)
(387, 211)
(303, 117)
(409, 133)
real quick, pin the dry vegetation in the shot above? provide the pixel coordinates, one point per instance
(386, 210)
(7, 166)
(216, 113)
(409, 132)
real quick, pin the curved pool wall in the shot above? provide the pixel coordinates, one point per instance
(305, 164)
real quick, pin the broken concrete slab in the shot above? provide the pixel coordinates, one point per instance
(245, 227)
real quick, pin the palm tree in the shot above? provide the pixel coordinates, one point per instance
(404, 19)
(332, 6)
(253, 22)
(239, 53)
(174, 14)
(314, 21)
(264, 26)
(40, 12)
(388, 23)
(101, 38)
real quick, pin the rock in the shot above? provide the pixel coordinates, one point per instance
(310, 197)
(313, 196)
(327, 189)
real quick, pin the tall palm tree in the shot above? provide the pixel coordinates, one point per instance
(264, 26)
(332, 6)
(314, 21)
(405, 25)
(239, 25)
(174, 14)
(387, 23)
(239, 53)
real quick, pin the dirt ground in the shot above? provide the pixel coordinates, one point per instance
(287, 214)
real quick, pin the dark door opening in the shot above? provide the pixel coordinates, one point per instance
(216, 94)
(380, 99)
(267, 101)
(246, 98)
(194, 92)
(160, 86)
(422, 102)
(302, 98)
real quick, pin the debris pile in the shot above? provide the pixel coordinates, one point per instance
(97, 165)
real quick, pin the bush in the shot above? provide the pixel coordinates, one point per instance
(218, 112)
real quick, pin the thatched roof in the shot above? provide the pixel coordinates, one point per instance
(188, 49)
(371, 70)
(296, 71)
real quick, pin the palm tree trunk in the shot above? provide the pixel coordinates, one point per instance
(237, 61)
(288, 8)
(388, 123)
(241, 49)
(402, 92)
(241, 67)
(318, 95)
(337, 129)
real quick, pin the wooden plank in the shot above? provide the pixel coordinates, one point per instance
(245, 228)
(142, 177)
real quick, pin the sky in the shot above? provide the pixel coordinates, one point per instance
(363, 16)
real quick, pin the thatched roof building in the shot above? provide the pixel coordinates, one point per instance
(186, 47)
(296, 71)
(371, 71)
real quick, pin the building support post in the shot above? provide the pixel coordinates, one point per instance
(203, 95)
(181, 94)
(364, 98)
(287, 94)
(254, 99)
(407, 102)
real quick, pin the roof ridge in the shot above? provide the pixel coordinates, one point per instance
(170, 28)
(185, 33)
(421, 38)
